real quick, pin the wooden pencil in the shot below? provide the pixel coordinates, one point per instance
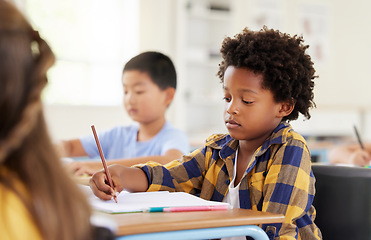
(103, 161)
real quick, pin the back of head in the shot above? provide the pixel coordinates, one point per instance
(58, 208)
(21, 81)
(157, 65)
(286, 68)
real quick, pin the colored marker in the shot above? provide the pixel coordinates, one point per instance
(189, 208)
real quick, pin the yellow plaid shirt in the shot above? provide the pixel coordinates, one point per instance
(279, 179)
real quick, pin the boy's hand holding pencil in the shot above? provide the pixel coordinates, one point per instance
(106, 183)
(100, 186)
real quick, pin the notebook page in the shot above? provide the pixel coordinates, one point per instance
(139, 202)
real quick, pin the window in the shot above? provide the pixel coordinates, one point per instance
(92, 41)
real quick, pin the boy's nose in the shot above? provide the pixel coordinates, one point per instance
(129, 98)
(232, 108)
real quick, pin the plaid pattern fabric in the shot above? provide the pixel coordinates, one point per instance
(278, 179)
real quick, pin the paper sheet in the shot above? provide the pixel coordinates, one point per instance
(139, 202)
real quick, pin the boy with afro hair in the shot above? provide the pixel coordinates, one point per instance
(262, 164)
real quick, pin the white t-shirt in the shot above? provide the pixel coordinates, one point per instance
(233, 196)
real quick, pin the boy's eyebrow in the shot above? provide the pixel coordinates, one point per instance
(136, 84)
(242, 90)
(248, 90)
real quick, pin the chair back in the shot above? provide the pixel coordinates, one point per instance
(343, 202)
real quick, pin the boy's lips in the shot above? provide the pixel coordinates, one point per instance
(232, 124)
(132, 111)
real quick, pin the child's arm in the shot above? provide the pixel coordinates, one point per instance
(350, 154)
(289, 189)
(90, 167)
(71, 148)
(130, 179)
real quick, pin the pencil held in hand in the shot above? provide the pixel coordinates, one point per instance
(104, 162)
(359, 138)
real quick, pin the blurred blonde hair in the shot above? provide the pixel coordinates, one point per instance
(59, 209)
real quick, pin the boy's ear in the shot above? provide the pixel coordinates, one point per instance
(286, 108)
(170, 92)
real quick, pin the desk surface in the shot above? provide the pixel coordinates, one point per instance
(138, 223)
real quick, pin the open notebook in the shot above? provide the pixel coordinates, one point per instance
(140, 202)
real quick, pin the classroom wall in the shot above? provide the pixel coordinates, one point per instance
(341, 91)
(66, 122)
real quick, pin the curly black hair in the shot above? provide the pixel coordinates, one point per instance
(287, 70)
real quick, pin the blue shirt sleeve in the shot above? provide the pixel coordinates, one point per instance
(114, 142)
(174, 139)
(121, 142)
